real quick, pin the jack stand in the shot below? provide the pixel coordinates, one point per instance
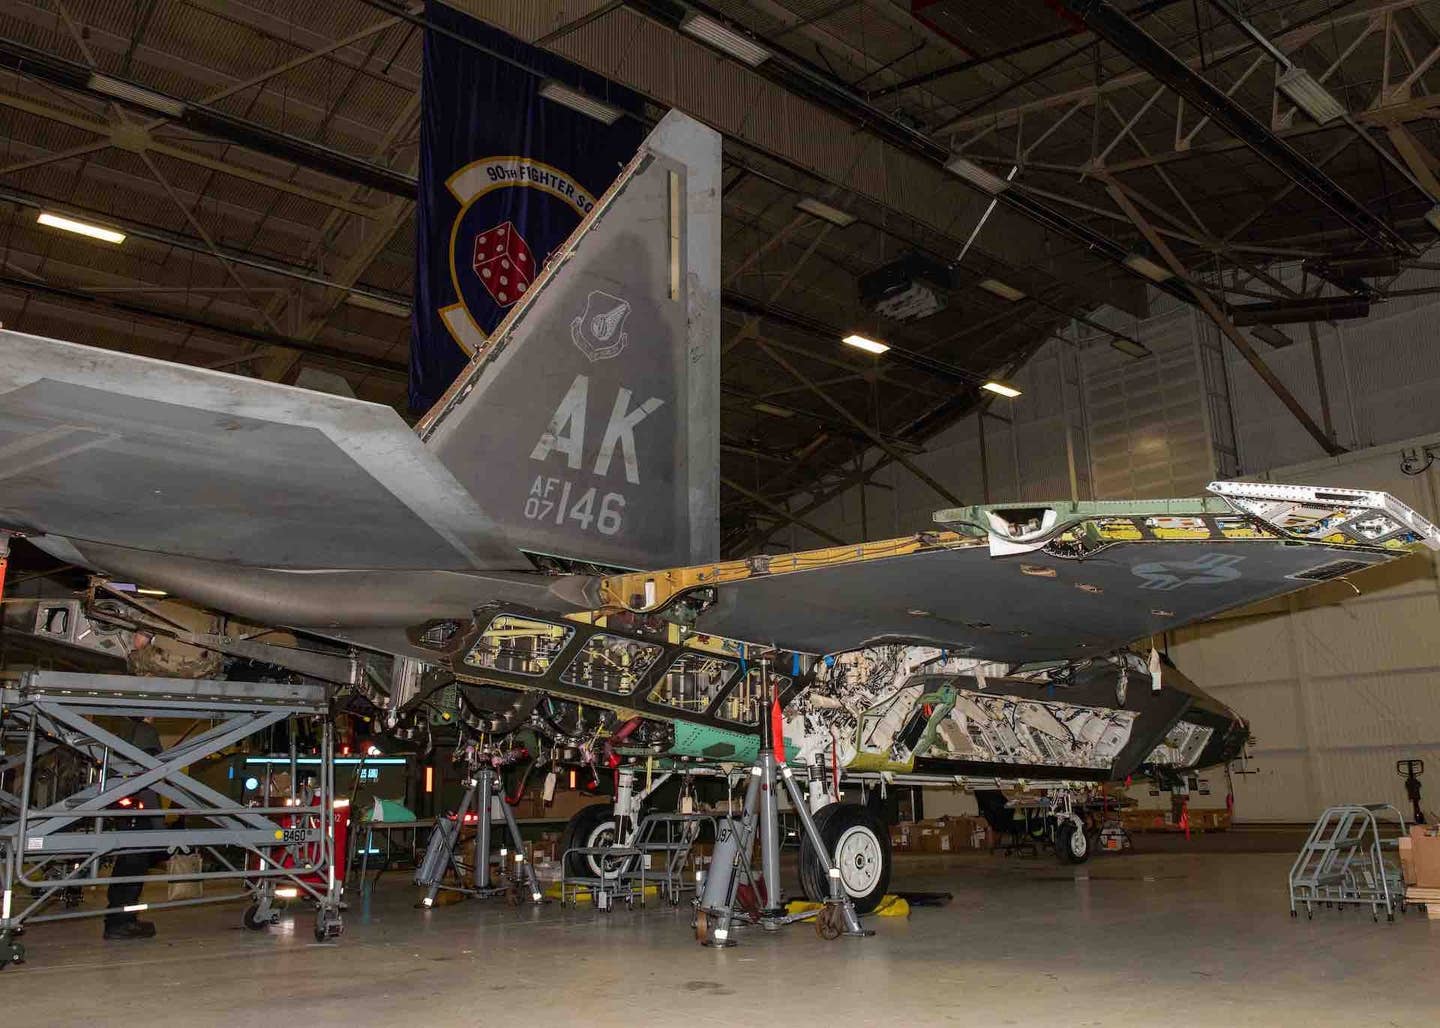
(716, 916)
(441, 856)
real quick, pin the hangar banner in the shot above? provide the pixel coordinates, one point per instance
(505, 176)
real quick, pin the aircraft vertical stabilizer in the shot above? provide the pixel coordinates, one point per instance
(587, 425)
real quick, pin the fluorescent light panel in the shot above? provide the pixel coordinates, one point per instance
(862, 343)
(724, 39)
(81, 228)
(976, 175)
(1148, 268)
(379, 306)
(558, 92)
(1001, 388)
(772, 409)
(997, 288)
(825, 212)
(137, 95)
(1130, 348)
(1271, 335)
(1310, 96)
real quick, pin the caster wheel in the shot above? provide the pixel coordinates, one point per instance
(254, 921)
(1294, 913)
(1309, 915)
(327, 925)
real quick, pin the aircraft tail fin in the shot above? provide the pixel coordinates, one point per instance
(587, 425)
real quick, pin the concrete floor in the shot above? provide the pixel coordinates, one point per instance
(1176, 937)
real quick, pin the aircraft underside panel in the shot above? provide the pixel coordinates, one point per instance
(917, 709)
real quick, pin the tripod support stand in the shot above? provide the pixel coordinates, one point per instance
(716, 915)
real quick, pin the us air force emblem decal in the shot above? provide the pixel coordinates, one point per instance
(1211, 569)
(599, 332)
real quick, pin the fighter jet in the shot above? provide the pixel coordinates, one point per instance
(549, 530)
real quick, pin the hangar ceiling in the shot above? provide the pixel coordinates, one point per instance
(270, 230)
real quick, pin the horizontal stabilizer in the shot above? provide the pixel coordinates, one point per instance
(105, 447)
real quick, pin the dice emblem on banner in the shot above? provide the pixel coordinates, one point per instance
(503, 262)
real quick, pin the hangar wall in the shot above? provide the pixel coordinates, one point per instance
(1168, 424)
(1337, 686)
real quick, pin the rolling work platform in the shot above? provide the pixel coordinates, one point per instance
(1346, 860)
(659, 853)
(51, 847)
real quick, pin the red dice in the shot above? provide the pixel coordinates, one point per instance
(504, 263)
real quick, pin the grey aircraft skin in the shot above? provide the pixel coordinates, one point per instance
(585, 431)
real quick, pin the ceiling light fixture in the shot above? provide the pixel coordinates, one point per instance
(977, 176)
(1000, 388)
(373, 303)
(724, 39)
(997, 288)
(823, 211)
(137, 95)
(774, 410)
(1142, 265)
(558, 92)
(1272, 335)
(1306, 92)
(80, 228)
(1129, 347)
(862, 343)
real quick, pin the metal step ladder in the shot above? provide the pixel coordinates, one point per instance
(669, 840)
(1346, 859)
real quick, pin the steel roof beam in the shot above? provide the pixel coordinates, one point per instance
(204, 119)
(1121, 32)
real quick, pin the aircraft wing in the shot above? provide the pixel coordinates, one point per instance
(113, 448)
(1042, 582)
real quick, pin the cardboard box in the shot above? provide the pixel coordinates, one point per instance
(1407, 860)
(1425, 855)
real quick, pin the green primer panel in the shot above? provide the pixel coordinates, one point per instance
(705, 742)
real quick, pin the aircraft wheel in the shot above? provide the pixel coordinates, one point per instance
(590, 826)
(860, 844)
(1071, 843)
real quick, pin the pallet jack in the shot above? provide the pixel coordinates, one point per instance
(716, 915)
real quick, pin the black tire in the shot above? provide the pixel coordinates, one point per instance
(587, 828)
(252, 922)
(813, 884)
(864, 856)
(1072, 845)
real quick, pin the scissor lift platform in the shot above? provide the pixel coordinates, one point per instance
(49, 849)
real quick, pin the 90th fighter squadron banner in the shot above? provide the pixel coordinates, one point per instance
(505, 176)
